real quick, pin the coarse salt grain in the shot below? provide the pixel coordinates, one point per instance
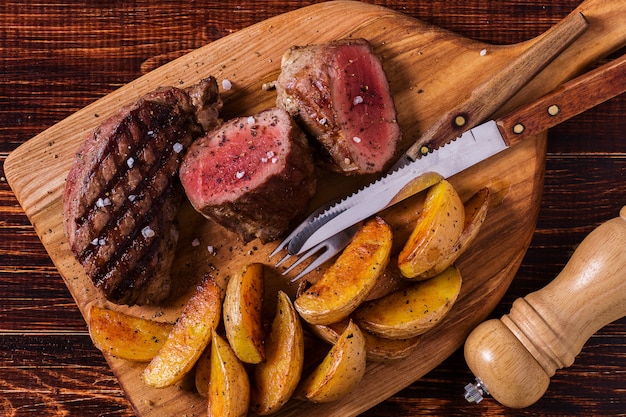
(178, 147)
(130, 162)
(323, 121)
(101, 242)
(357, 100)
(195, 242)
(251, 120)
(274, 160)
(147, 232)
(483, 52)
(270, 154)
(132, 198)
(210, 249)
(103, 202)
(240, 174)
(226, 84)
(95, 242)
(356, 139)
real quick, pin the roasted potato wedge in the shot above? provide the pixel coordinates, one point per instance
(438, 228)
(125, 336)
(189, 337)
(378, 349)
(348, 281)
(229, 386)
(417, 185)
(243, 314)
(412, 311)
(475, 213)
(203, 372)
(276, 379)
(340, 371)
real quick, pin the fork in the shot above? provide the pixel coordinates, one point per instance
(326, 250)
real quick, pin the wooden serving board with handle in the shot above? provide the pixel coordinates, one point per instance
(430, 71)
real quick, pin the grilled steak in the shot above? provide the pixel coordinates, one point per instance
(252, 175)
(122, 193)
(340, 95)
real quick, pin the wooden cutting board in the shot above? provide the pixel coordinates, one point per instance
(430, 70)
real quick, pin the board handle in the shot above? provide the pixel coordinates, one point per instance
(488, 97)
(514, 357)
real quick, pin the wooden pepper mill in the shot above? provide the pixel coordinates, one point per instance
(513, 358)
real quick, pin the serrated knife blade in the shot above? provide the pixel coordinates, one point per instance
(474, 146)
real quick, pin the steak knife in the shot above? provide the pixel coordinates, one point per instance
(472, 147)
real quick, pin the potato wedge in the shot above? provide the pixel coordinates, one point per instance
(340, 371)
(412, 311)
(276, 379)
(125, 336)
(417, 185)
(243, 314)
(378, 349)
(348, 281)
(189, 337)
(438, 228)
(475, 213)
(229, 386)
(203, 372)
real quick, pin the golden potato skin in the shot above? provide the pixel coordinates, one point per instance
(203, 372)
(349, 280)
(243, 314)
(341, 370)
(189, 337)
(276, 379)
(125, 336)
(437, 230)
(229, 386)
(475, 214)
(412, 311)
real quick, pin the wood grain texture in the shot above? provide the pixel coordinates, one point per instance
(77, 53)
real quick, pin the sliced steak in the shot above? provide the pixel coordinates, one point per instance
(122, 193)
(253, 175)
(340, 95)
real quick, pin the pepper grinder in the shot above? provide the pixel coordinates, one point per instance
(514, 357)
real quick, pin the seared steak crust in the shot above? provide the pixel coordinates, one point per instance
(340, 95)
(253, 175)
(122, 193)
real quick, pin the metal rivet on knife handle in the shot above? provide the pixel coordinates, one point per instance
(553, 110)
(518, 129)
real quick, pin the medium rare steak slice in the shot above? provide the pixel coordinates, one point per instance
(339, 93)
(253, 175)
(122, 193)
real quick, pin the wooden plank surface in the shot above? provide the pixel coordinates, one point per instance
(36, 305)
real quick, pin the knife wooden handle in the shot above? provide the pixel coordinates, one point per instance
(488, 97)
(572, 98)
(515, 356)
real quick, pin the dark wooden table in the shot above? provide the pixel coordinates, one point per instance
(58, 56)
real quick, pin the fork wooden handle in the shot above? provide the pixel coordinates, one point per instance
(515, 356)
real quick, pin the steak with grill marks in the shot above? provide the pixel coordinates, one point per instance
(122, 193)
(340, 95)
